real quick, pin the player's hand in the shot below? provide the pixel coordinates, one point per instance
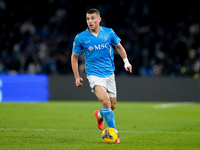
(127, 65)
(129, 68)
(78, 82)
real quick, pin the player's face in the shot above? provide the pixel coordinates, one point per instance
(93, 21)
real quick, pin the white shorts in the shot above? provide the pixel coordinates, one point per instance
(108, 83)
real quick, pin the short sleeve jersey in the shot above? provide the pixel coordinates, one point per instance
(98, 50)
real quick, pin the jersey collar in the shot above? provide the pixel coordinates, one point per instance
(88, 31)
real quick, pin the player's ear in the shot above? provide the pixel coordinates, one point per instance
(99, 19)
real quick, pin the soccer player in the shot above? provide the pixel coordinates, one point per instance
(97, 43)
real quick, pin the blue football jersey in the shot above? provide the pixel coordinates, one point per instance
(98, 50)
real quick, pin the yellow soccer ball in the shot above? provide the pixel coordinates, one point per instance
(109, 135)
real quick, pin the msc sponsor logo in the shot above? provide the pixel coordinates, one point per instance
(98, 47)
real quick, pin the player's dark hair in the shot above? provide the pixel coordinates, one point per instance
(93, 10)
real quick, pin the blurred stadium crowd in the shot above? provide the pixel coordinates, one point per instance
(161, 39)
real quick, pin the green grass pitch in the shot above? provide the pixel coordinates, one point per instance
(72, 126)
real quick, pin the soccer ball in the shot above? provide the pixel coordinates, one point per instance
(110, 135)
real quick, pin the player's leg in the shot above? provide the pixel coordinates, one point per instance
(106, 111)
(93, 80)
(112, 92)
(102, 95)
(113, 101)
(103, 98)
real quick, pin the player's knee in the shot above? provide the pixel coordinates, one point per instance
(106, 103)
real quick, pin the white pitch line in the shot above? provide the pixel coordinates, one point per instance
(51, 130)
(168, 105)
(136, 132)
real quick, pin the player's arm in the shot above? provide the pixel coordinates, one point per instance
(123, 54)
(74, 63)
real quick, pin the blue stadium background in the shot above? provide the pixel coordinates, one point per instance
(162, 39)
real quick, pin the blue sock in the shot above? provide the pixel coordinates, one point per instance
(109, 117)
